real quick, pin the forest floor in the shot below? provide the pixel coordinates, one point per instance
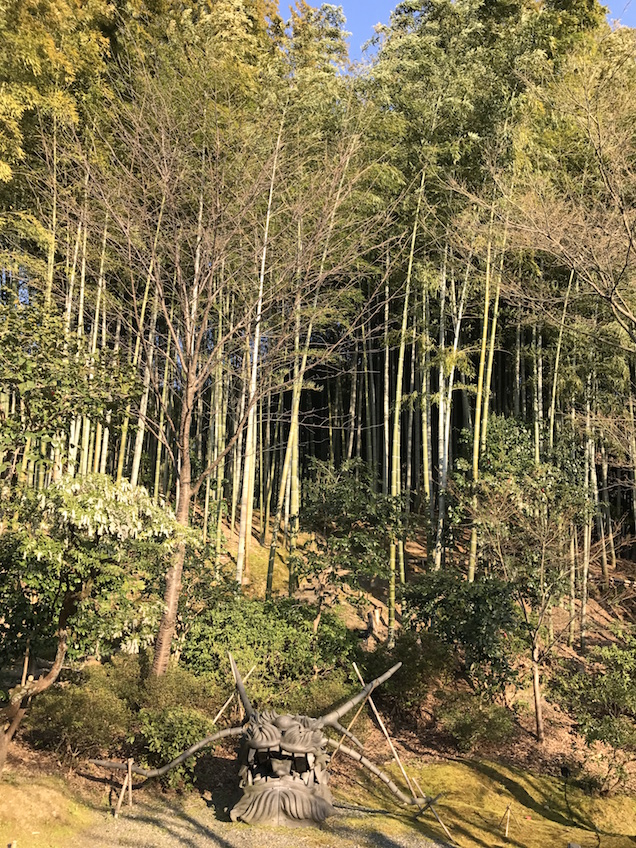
(39, 809)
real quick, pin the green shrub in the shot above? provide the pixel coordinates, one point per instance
(602, 699)
(113, 709)
(180, 687)
(426, 663)
(165, 733)
(474, 619)
(350, 523)
(80, 722)
(276, 636)
(317, 696)
(471, 722)
(117, 708)
(124, 674)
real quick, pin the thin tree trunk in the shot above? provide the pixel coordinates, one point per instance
(446, 443)
(605, 503)
(408, 482)
(50, 269)
(247, 496)
(123, 445)
(555, 376)
(598, 515)
(472, 561)
(493, 339)
(294, 491)
(587, 531)
(571, 625)
(386, 401)
(353, 397)
(238, 450)
(632, 458)
(517, 386)
(164, 400)
(536, 690)
(172, 591)
(395, 452)
(370, 412)
(143, 405)
(427, 438)
(441, 422)
(535, 398)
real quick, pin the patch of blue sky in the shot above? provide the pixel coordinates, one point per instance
(363, 15)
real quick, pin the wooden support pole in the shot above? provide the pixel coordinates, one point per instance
(351, 723)
(431, 805)
(121, 794)
(507, 816)
(130, 765)
(386, 733)
(25, 667)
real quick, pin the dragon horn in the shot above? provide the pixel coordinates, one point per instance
(346, 732)
(249, 709)
(336, 715)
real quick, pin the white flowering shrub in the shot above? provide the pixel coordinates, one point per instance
(97, 547)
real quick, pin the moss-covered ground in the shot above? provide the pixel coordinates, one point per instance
(43, 812)
(544, 812)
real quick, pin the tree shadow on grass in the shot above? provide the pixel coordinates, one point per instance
(542, 808)
(525, 799)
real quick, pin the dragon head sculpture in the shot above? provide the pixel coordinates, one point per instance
(283, 771)
(283, 765)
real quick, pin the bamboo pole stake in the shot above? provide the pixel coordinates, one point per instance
(121, 795)
(25, 667)
(507, 816)
(431, 806)
(351, 723)
(386, 733)
(130, 765)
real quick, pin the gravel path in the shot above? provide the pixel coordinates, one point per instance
(155, 823)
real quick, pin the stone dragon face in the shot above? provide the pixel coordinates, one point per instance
(283, 771)
(284, 760)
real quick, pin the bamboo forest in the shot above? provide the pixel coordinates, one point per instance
(311, 367)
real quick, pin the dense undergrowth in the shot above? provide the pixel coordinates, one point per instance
(117, 709)
(470, 651)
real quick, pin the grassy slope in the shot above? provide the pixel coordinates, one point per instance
(39, 811)
(477, 794)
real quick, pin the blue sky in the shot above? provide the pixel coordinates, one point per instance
(362, 15)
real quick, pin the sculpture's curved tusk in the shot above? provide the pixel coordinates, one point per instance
(158, 772)
(337, 714)
(411, 802)
(247, 705)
